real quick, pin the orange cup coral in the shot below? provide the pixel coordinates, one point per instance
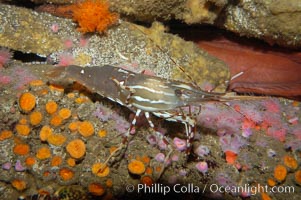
(93, 16)
(29, 161)
(66, 174)
(81, 100)
(23, 129)
(96, 189)
(35, 118)
(42, 92)
(5, 134)
(51, 107)
(56, 161)
(71, 162)
(100, 170)
(271, 182)
(102, 133)
(113, 149)
(27, 102)
(56, 88)
(43, 153)
(71, 95)
(23, 121)
(290, 162)
(86, 128)
(145, 159)
(265, 196)
(36, 83)
(146, 180)
(298, 177)
(76, 148)
(56, 139)
(19, 184)
(148, 170)
(109, 183)
(158, 168)
(21, 149)
(136, 167)
(73, 126)
(45, 132)
(65, 113)
(280, 173)
(56, 120)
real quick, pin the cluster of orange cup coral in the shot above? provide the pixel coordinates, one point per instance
(52, 123)
(27, 103)
(281, 171)
(48, 117)
(139, 167)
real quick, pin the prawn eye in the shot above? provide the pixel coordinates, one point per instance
(178, 92)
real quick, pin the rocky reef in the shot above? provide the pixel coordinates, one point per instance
(276, 22)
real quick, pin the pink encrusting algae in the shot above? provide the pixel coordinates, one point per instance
(5, 56)
(68, 43)
(232, 143)
(23, 76)
(83, 41)
(16, 76)
(66, 59)
(5, 79)
(297, 131)
(218, 118)
(272, 105)
(104, 113)
(278, 133)
(240, 120)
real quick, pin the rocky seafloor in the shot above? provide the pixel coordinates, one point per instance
(54, 140)
(236, 145)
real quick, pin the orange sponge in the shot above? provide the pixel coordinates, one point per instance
(93, 16)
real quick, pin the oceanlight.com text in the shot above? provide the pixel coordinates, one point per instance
(159, 188)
